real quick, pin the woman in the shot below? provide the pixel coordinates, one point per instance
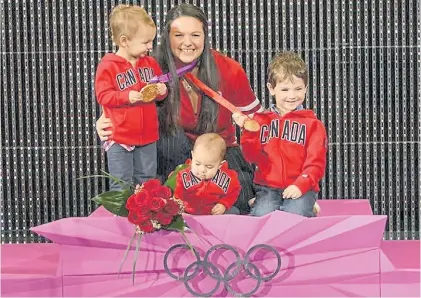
(187, 113)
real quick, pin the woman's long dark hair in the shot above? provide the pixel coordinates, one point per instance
(169, 109)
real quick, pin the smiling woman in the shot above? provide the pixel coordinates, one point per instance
(188, 113)
(186, 39)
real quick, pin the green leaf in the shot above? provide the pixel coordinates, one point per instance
(122, 183)
(176, 225)
(187, 242)
(114, 201)
(172, 179)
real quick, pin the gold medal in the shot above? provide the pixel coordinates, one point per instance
(149, 92)
(251, 125)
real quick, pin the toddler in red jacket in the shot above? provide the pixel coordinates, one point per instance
(290, 148)
(120, 78)
(208, 186)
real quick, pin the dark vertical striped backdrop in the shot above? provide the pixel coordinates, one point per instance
(364, 59)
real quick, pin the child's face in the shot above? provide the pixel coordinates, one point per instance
(205, 163)
(289, 94)
(139, 45)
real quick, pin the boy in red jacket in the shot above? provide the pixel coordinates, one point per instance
(290, 149)
(131, 152)
(208, 186)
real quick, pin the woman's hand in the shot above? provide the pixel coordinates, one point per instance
(102, 125)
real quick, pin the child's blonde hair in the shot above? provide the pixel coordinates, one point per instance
(126, 20)
(213, 142)
(286, 65)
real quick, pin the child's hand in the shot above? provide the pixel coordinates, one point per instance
(316, 208)
(251, 201)
(291, 192)
(218, 209)
(162, 88)
(135, 96)
(239, 118)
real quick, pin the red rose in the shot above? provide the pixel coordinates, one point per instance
(131, 203)
(136, 218)
(151, 184)
(156, 204)
(142, 197)
(153, 215)
(171, 208)
(143, 211)
(164, 218)
(163, 192)
(139, 203)
(146, 226)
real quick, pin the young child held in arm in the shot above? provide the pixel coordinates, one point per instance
(290, 149)
(208, 186)
(120, 76)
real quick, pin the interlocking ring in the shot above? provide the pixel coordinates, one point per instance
(238, 262)
(167, 269)
(264, 246)
(213, 271)
(199, 264)
(257, 277)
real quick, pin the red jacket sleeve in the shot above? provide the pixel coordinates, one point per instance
(315, 163)
(243, 96)
(233, 191)
(235, 85)
(251, 146)
(106, 92)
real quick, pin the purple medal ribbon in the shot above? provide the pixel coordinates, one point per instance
(180, 72)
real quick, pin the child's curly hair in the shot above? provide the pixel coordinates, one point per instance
(126, 20)
(286, 65)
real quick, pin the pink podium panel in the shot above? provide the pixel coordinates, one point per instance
(400, 268)
(324, 256)
(31, 270)
(101, 212)
(344, 207)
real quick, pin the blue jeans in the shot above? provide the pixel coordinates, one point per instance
(270, 199)
(233, 210)
(134, 167)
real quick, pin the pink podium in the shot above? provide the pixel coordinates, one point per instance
(340, 253)
(31, 270)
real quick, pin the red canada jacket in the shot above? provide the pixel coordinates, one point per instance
(200, 196)
(133, 124)
(289, 149)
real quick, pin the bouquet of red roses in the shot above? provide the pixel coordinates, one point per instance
(152, 207)
(149, 206)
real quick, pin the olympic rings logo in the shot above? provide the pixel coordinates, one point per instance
(230, 273)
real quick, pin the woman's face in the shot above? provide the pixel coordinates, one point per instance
(187, 39)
